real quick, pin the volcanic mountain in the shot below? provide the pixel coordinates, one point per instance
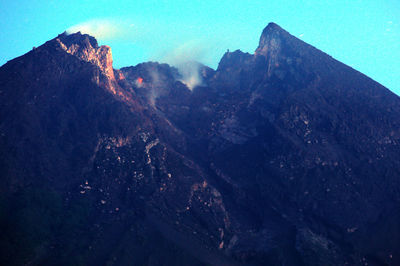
(281, 157)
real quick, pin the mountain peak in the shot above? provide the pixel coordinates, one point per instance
(78, 38)
(86, 48)
(272, 27)
(270, 39)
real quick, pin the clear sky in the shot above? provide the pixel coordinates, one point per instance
(364, 34)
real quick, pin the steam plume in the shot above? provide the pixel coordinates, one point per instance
(186, 58)
(104, 29)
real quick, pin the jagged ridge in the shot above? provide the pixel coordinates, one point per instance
(281, 157)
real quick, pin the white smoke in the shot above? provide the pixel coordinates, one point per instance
(186, 58)
(103, 29)
(191, 75)
(149, 37)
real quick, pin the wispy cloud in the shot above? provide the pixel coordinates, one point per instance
(192, 50)
(186, 58)
(104, 29)
(164, 42)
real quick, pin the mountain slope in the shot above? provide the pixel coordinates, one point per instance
(284, 156)
(81, 157)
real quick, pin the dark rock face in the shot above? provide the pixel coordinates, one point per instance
(282, 157)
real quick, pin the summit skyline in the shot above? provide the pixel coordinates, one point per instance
(362, 34)
(285, 156)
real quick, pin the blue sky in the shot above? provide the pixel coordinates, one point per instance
(364, 34)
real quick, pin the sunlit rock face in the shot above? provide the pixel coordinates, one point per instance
(85, 47)
(281, 157)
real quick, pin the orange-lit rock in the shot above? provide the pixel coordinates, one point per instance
(88, 50)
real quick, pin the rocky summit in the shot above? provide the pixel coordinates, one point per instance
(281, 157)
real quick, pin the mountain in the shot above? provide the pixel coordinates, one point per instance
(281, 157)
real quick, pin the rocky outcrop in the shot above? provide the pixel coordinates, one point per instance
(85, 47)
